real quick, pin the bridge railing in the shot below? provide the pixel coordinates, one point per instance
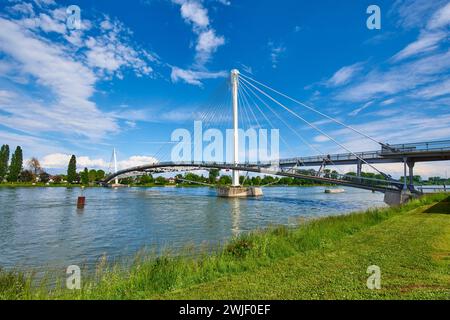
(332, 158)
(443, 145)
(433, 189)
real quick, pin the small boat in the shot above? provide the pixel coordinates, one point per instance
(334, 190)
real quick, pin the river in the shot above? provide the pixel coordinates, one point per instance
(41, 227)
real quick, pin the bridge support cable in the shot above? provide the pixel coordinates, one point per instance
(315, 149)
(246, 90)
(318, 112)
(315, 127)
(209, 113)
(249, 97)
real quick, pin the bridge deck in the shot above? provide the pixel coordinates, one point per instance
(415, 152)
(356, 182)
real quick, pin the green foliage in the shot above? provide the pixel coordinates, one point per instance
(92, 175)
(44, 177)
(146, 179)
(84, 175)
(16, 165)
(72, 170)
(126, 181)
(213, 175)
(240, 247)
(160, 180)
(27, 176)
(100, 175)
(13, 285)
(225, 180)
(4, 159)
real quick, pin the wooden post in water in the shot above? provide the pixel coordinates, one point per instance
(81, 202)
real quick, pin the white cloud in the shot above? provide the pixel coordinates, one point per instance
(136, 161)
(31, 145)
(225, 2)
(344, 75)
(61, 161)
(195, 14)
(435, 90)
(66, 77)
(415, 13)
(388, 102)
(23, 8)
(194, 77)
(275, 52)
(397, 79)
(426, 42)
(110, 52)
(207, 44)
(43, 3)
(70, 81)
(440, 18)
(321, 138)
(422, 62)
(358, 110)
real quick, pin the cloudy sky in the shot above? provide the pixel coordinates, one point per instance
(137, 70)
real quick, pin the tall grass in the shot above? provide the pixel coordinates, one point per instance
(149, 274)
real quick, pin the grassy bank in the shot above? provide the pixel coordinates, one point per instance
(324, 258)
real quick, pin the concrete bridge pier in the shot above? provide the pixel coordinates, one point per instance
(359, 169)
(395, 198)
(411, 175)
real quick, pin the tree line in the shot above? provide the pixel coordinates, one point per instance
(12, 170)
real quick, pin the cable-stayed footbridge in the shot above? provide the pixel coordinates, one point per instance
(253, 102)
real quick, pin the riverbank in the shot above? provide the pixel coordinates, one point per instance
(322, 259)
(153, 185)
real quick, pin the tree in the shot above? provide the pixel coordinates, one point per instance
(84, 175)
(100, 175)
(160, 180)
(334, 174)
(4, 159)
(213, 174)
(34, 165)
(92, 175)
(27, 176)
(16, 165)
(146, 179)
(225, 180)
(44, 177)
(72, 170)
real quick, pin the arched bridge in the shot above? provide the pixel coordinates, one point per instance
(336, 179)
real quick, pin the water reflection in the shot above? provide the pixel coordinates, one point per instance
(235, 204)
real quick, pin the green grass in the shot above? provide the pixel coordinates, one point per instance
(321, 259)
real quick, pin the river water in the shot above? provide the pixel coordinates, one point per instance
(41, 227)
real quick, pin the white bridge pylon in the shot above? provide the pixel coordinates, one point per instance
(235, 88)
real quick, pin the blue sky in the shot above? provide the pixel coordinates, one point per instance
(136, 71)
